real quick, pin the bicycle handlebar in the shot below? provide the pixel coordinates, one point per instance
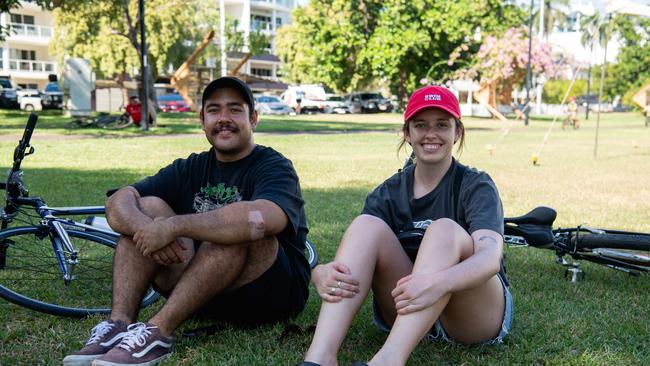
(19, 152)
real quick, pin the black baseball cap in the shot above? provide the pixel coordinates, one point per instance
(234, 83)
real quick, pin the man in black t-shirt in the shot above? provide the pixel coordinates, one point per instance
(221, 234)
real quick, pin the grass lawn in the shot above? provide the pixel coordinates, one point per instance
(602, 320)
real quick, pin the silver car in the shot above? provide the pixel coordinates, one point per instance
(270, 104)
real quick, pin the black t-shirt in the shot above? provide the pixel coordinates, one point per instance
(479, 205)
(201, 183)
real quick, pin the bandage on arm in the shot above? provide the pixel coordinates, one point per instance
(256, 225)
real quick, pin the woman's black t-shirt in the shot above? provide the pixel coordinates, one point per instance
(479, 205)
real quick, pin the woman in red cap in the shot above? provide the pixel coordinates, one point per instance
(428, 244)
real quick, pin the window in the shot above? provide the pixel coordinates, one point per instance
(22, 54)
(22, 19)
(260, 72)
(29, 86)
(278, 22)
(260, 22)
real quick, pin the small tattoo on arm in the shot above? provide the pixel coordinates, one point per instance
(488, 238)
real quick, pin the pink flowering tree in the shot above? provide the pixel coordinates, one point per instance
(501, 62)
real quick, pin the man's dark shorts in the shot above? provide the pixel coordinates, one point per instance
(278, 294)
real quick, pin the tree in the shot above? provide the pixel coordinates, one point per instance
(107, 33)
(594, 31)
(632, 67)
(555, 14)
(348, 44)
(501, 62)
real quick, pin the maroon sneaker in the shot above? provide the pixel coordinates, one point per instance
(143, 345)
(103, 337)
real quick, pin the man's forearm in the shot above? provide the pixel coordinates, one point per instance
(123, 213)
(240, 222)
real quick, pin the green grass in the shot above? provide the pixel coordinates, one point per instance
(600, 321)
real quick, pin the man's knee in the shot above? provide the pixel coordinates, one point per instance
(153, 206)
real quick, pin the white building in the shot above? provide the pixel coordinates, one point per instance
(25, 52)
(265, 16)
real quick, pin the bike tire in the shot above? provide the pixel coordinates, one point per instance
(612, 240)
(630, 251)
(312, 254)
(31, 277)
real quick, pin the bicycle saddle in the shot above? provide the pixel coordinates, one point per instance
(535, 226)
(541, 215)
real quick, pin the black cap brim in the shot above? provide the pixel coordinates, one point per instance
(233, 83)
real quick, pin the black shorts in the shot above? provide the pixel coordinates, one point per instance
(278, 294)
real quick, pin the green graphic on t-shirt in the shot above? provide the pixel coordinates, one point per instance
(212, 197)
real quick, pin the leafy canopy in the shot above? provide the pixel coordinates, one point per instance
(350, 44)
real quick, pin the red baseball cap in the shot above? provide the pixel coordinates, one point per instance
(432, 96)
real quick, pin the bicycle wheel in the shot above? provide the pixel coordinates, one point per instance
(31, 275)
(630, 251)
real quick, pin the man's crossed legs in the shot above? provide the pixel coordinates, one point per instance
(212, 274)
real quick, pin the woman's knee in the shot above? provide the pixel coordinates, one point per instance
(448, 234)
(367, 232)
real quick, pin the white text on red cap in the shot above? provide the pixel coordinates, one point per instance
(432, 97)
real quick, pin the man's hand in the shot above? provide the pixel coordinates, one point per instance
(175, 252)
(154, 236)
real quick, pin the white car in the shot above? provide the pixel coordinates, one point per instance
(336, 104)
(29, 99)
(270, 104)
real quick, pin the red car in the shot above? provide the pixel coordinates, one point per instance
(173, 103)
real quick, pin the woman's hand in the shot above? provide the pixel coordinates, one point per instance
(334, 281)
(416, 292)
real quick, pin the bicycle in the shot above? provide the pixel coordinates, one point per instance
(51, 263)
(57, 265)
(103, 120)
(628, 252)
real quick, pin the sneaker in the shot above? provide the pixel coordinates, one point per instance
(143, 345)
(103, 337)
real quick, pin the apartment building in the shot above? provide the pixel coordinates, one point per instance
(265, 16)
(25, 53)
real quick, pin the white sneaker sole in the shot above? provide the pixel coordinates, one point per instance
(148, 363)
(79, 360)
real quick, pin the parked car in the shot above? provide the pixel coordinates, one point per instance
(52, 96)
(336, 104)
(173, 102)
(270, 104)
(368, 103)
(8, 96)
(29, 99)
(308, 98)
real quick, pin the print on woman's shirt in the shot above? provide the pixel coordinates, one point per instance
(212, 197)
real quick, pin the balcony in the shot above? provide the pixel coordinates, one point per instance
(32, 66)
(39, 34)
(278, 4)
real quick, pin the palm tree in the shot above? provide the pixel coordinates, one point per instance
(594, 30)
(555, 14)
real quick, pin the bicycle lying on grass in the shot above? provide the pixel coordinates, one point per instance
(54, 264)
(621, 250)
(103, 120)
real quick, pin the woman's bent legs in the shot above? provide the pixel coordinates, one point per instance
(481, 308)
(375, 257)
